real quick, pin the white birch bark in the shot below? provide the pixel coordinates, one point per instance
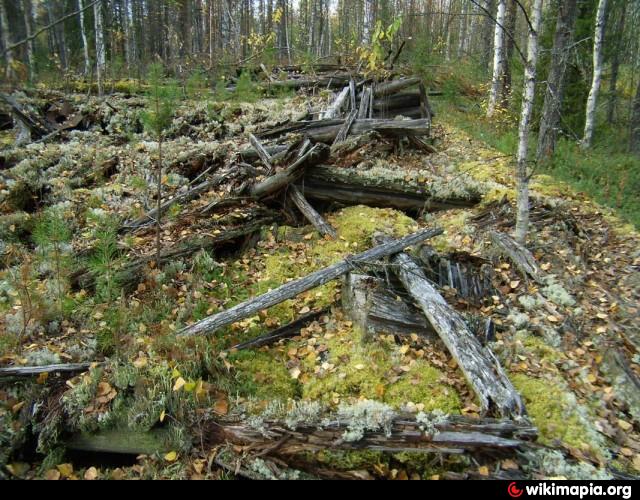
(101, 56)
(522, 172)
(6, 40)
(592, 102)
(85, 42)
(498, 57)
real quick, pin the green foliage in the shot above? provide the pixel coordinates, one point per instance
(52, 235)
(381, 41)
(105, 261)
(163, 98)
(246, 89)
(196, 85)
(221, 93)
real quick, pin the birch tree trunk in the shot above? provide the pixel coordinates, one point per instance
(85, 42)
(592, 102)
(101, 56)
(498, 56)
(556, 81)
(28, 27)
(522, 172)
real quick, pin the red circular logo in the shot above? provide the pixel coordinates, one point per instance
(513, 491)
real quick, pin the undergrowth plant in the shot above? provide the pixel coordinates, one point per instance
(52, 235)
(105, 261)
(162, 102)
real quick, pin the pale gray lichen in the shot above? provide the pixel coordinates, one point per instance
(557, 294)
(365, 416)
(551, 464)
(519, 320)
(429, 422)
(528, 302)
(303, 413)
(42, 357)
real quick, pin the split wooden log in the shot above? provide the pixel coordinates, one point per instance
(480, 367)
(346, 128)
(365, 103)
(279, 181)
(351, 187)
(251, 154)
(326, 131)
(30, 371)
(377, 310)
(310, 213)
(286, 332)
(299, 286)
(263, 154)
(518, 254)
(334, 110)
(469, 275)
(395, 433)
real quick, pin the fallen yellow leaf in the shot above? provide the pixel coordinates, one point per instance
(180, 383)
(172, 456)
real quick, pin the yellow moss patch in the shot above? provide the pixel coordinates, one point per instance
(556, 413)
(7, 139)
(264, 375)
(538, 349)
(457, 232)
(351, 369)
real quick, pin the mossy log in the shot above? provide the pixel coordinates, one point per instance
(327, 130)
(377, 310)
(37, 127)
(479, 365)
(352, 187)
(121, 442)
(405, 433)
(294, 288)
(518, 254)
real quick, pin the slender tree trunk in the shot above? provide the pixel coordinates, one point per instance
(635, 123)
(522, 172)
(462, 33)
(6, 40)
(28, 27)
(615, 63)
(85, 41)
(556, 81)
(101, 56)
(498, 58)
(592, 102)
(509, 47)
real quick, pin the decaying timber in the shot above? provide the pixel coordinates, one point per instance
(397, 433)
(299, 286)
(30, 371)
(518, 254)
(377, 310)
(480, 367)
(310, 213)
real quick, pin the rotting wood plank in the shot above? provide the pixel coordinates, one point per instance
(310, 213)
(480, 367)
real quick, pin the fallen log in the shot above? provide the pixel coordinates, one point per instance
(518, 254)
(394, 433)
(389, 88)
(480, 367)
(251, 154)
(30, 371)
(397, 101)
(352, 187)
(334, 110)
(286, 332)
(377, 310)
(344, 131)
(132, 274)
(275, 183)
(296, 287)
(310, 213)
(33, 123)
(263, 154)
(150, 218)
(326, 131)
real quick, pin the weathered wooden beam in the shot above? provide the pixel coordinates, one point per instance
(310, 213)
(518, 254)
(30, 371)
(334, 111)
(263, 154)
(301, 285)
(480, 367)
(389, 88)
(377, 310)
(285, 332)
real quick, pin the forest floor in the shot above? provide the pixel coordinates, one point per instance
(568, 343)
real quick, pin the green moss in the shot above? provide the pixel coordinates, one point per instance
(556, 413)
(264, 376)
(358, 370)
(350, 460)
(537, 348)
